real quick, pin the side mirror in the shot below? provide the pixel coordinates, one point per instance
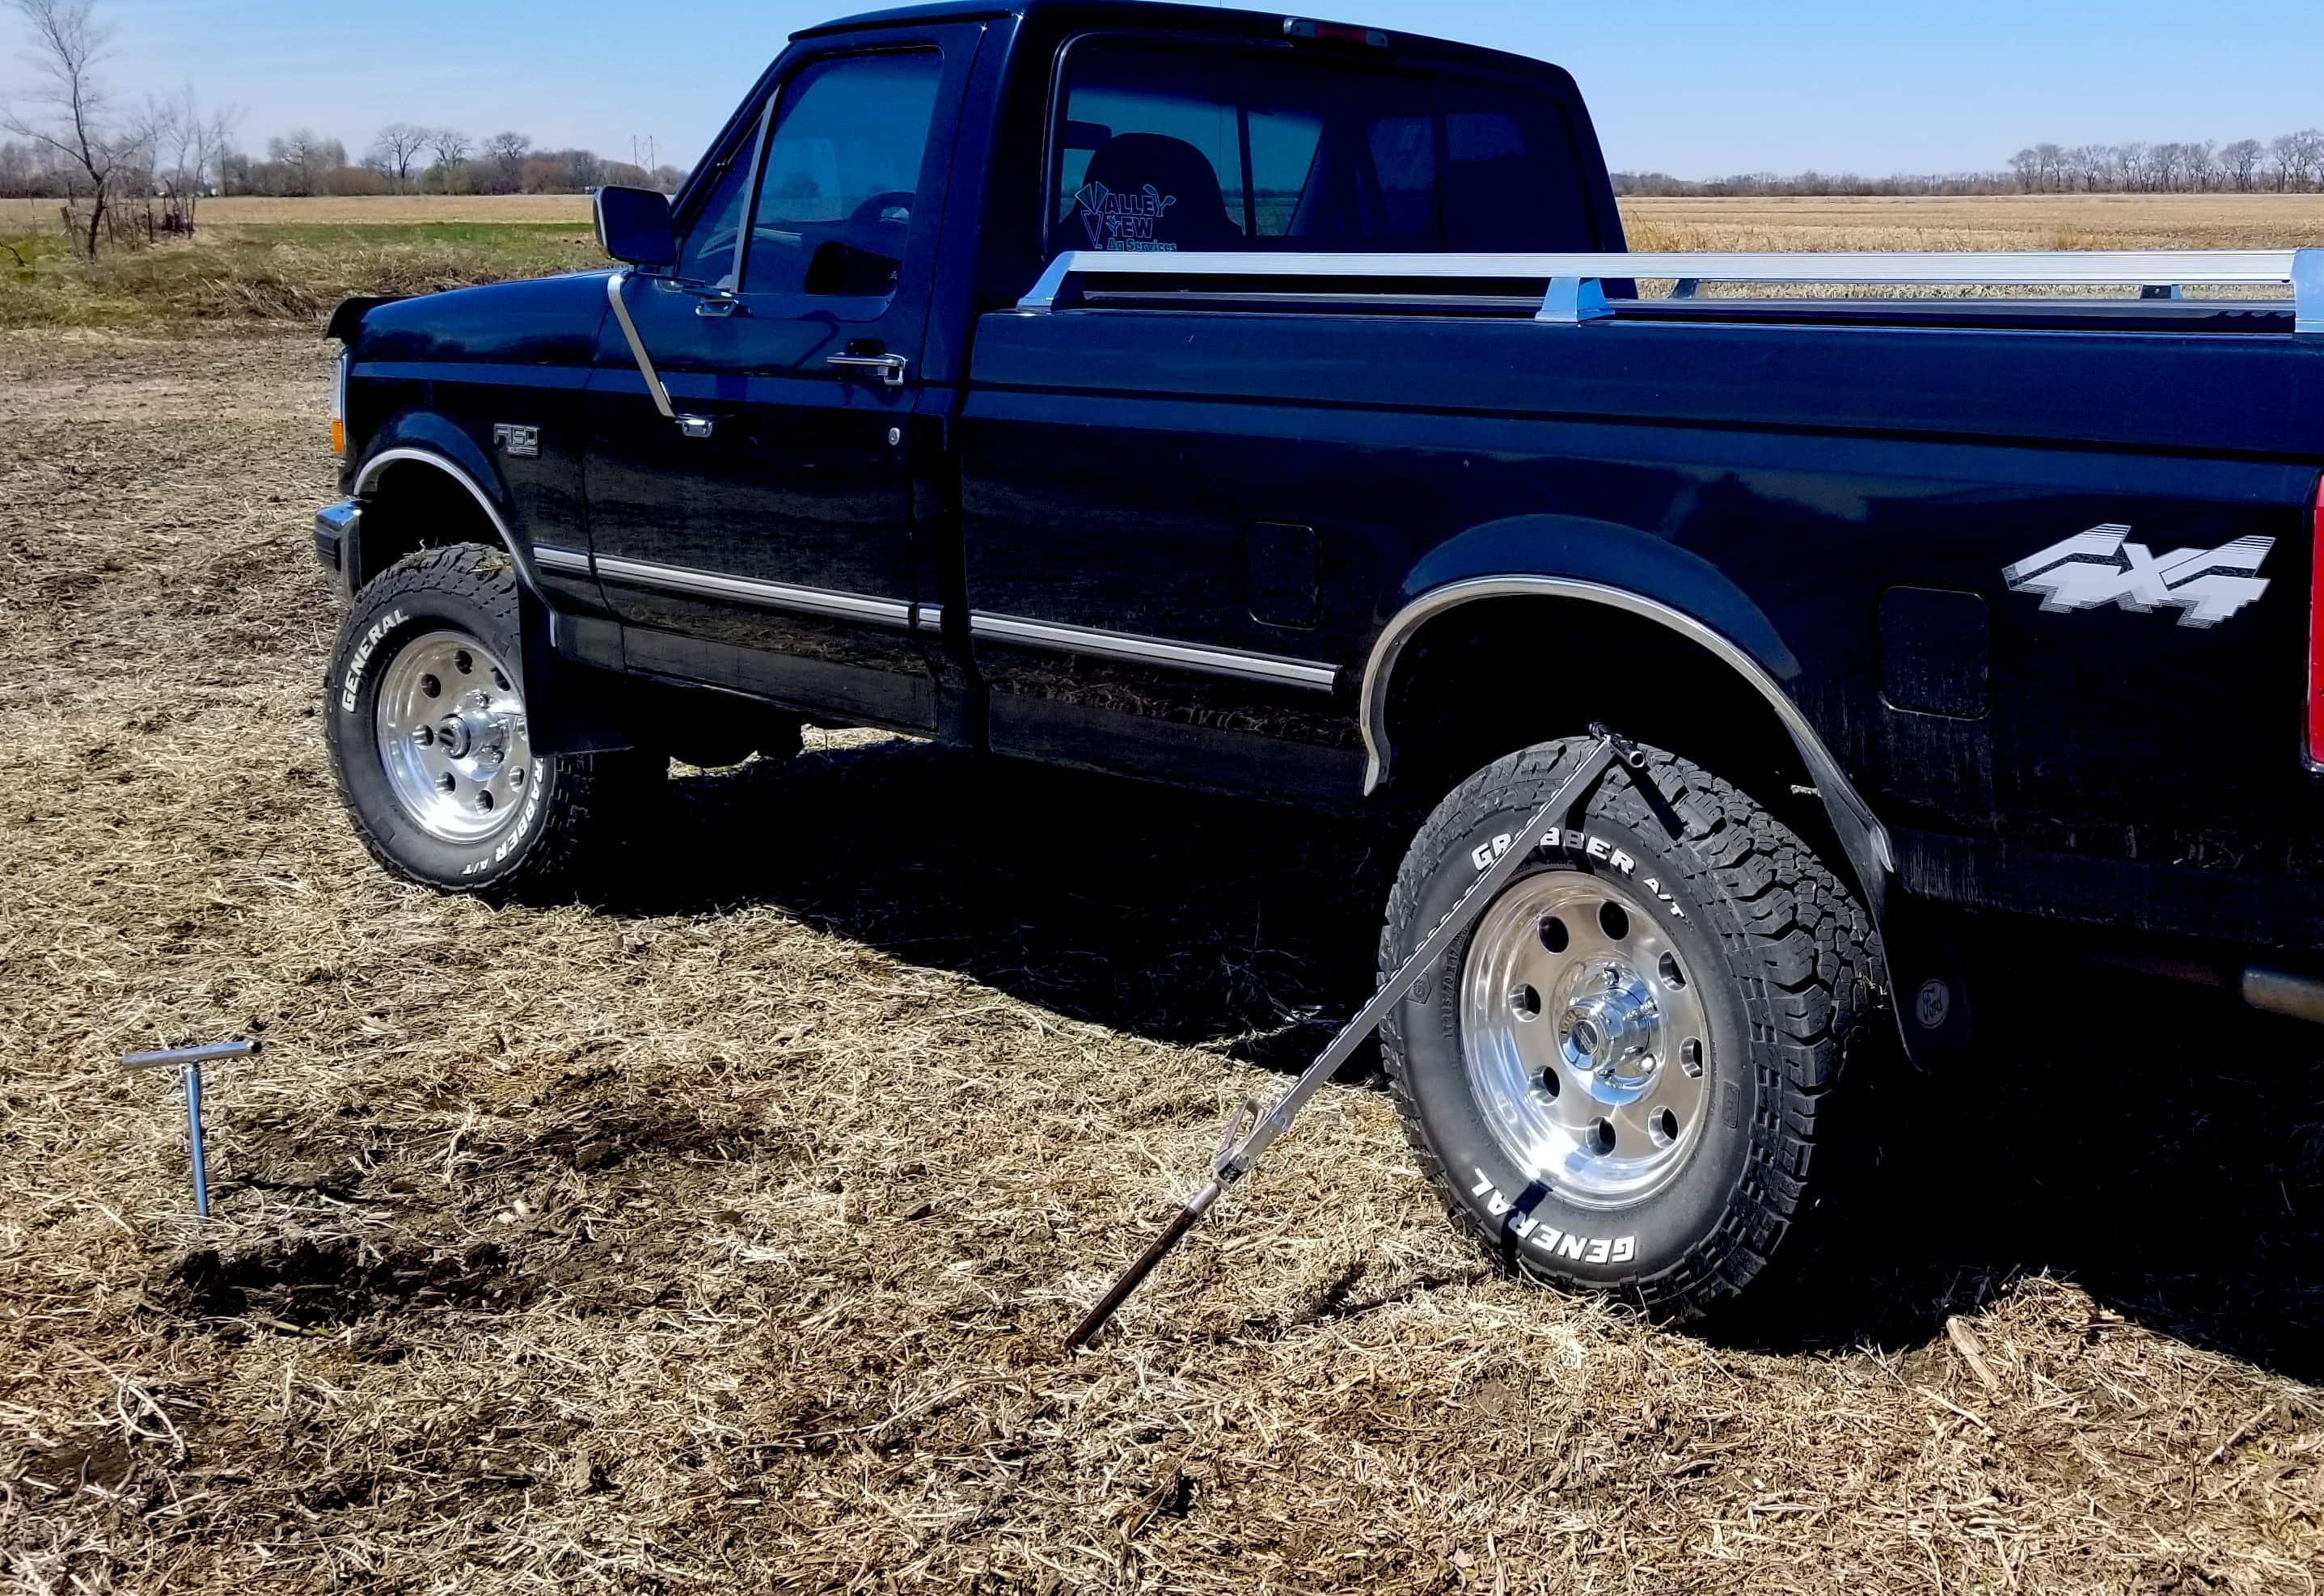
(633, 225)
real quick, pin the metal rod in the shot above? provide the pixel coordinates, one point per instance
(1575, 277)
(188, 1062)
(1238, 1153)
(208, 1052)
(194, 1141)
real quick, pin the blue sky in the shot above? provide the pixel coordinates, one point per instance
(1681, 85)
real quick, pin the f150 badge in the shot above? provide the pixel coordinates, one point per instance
(2100, 567)
(518, 443)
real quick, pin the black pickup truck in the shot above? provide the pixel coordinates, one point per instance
(1268, 404)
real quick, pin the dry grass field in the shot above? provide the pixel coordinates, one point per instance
(354, 211)
(2037, 221)
(718, 1233)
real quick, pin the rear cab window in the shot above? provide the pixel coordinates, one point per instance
(1168, 144)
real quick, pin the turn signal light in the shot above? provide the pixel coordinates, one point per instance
(2316, 637)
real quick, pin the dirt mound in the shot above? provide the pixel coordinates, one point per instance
(305, 1283)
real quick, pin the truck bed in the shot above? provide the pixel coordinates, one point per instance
(1804, 455)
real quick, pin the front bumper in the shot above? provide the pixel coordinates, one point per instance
(337, 528)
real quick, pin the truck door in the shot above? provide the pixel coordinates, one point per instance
(763, 539)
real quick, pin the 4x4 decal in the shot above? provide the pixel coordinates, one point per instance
(2099, 567)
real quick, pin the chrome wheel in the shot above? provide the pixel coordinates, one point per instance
(452, 737)
(1584, 1038)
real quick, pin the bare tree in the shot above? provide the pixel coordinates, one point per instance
(2240, 161)
(508, 152)
(395, 151)
(584, 168)
(2296, 155)
(188, 146)
(308, 158)
(450, 147)
(67, 46)
(2306, 149)
(2200, 162)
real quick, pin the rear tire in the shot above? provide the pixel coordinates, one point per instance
(1618, 1080)
(425, 718)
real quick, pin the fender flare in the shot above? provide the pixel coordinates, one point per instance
(425, 452)
(1633, 554)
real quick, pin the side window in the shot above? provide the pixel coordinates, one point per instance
(1163, 146)
(708, 255)
(842, 175)
(1160, 163)
(1499, 147)
(1284, 140)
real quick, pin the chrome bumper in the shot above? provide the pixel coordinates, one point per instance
(336, 527)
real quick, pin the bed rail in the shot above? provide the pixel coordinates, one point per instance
(1576, 293)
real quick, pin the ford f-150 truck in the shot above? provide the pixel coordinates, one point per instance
(1270, 404)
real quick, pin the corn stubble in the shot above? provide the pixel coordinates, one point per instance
(720, 1235)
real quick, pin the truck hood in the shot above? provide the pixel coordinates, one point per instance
(543, 321)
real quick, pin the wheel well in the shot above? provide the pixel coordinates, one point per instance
(1499, 674)
(413, 505)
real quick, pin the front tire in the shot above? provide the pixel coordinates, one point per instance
(1617, 1079)
(425, 717)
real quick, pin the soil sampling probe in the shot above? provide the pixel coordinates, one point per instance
(1250, 1133)
(187, 1062)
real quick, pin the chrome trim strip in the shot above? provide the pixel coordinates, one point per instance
(654, 389)
(771, 596)
(1830, 780)
(2301, 270)
(572, 562)
(444, 462)
(1154, 650)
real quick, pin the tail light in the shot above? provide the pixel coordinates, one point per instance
(2316, 638)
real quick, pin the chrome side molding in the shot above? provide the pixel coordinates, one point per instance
(1049, 635)
(1137, 649)
(746, 590)
(1574, 294)
(567, 562)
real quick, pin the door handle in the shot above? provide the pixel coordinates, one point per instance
(890, 367)
(719, 303)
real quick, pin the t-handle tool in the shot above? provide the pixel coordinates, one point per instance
(187, 1062)
(1250, 1133)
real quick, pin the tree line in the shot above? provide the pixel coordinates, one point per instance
(126, 173)
(403, 159)
(2292, 164)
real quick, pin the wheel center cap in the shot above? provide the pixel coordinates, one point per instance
(474, 733)
(1613, 1031)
